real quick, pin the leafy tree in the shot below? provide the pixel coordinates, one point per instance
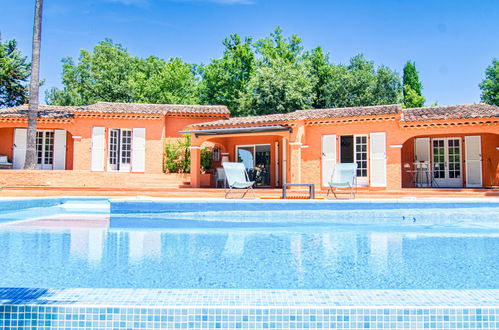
(318, 64)
(14, 73)
(157, 81)
(281, 82)
(490, 85)
(276, 46)
(226, 78)
(111, 74)
(413, 97)
(360, 84)
(104, 75)
(31, 162)
(278, 87)
(388, 88)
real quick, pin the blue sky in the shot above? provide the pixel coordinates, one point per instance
(451, 41)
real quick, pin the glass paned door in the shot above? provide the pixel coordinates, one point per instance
(114, 135)
(361, 159)
(120, 150)
(353, 149)
(126, 150)
(45, 149)
(446, 162)
(262, 165)
(256, 159)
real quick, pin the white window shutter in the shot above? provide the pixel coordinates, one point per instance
(59, 149)
(378, 159)
(139, 150)
(98, 142)
(422, 149)
(473, 161)
(328, 157)
(20, 137)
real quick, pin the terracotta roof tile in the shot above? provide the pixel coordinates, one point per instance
(310, 114)
(52, 111)
(462, 111)
(109, 107)
(44, 111)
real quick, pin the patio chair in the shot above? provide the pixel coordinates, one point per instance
(237, 178)
(344, 177)
(220, 178)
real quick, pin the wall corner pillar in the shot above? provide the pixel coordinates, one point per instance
(195, 166)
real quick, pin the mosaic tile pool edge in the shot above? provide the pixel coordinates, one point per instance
(63, 317)
(251, 309)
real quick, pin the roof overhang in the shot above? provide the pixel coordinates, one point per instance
(238, 130)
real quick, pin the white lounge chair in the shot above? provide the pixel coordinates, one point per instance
(237, 178)
(344, 177)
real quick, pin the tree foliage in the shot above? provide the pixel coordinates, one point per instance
(281, 82)
(357, 84)
(278, 87)
(111, 74)
(14, 73)
(273, 74)
(490, 85)
(413, 97)
(224, 80)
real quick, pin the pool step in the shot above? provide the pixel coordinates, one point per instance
(81, 206)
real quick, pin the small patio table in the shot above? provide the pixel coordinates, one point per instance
(311, 188)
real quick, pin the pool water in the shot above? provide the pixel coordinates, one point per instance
(389, 248)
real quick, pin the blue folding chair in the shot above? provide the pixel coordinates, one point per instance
(237, 178)
(344, 177)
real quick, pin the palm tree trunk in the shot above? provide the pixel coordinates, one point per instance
(34, 88)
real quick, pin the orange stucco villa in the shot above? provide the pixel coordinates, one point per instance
(445, 146)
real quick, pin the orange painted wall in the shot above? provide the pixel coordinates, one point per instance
(78, 155)
(229, 146)
(83, 147)
(6, 142)
(174, 124)
(311, 169)
(490, 158)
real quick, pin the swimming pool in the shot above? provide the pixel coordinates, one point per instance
(299, 247)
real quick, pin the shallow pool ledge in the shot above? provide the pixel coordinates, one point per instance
(248, 309)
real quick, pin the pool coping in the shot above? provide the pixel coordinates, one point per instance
(250, 298)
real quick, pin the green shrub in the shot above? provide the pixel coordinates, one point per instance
(178, 155)
(206, 156)
(177, 158)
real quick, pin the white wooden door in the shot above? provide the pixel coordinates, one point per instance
(422, 150)
(60, 149)
(139, 150)
(378, 159)
(98, 142)
(328, 157)
(447, 162)
(20, 136)
(473, 160)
